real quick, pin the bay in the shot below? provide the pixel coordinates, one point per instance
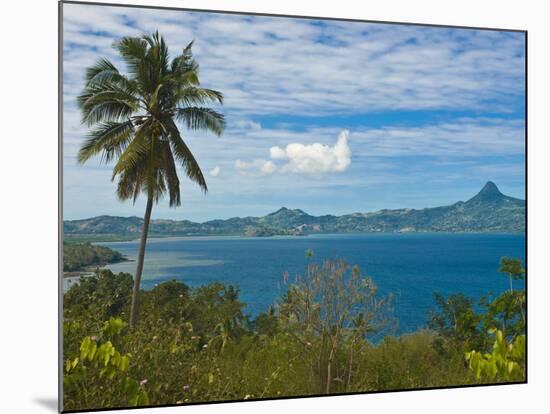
(411, 266)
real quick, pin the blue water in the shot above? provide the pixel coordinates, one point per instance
(411, 266)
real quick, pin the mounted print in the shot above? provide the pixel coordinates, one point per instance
(260, 207)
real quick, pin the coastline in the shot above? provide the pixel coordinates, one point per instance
(135, 238)
(91, 269)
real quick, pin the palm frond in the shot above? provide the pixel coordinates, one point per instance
(192, 96)
(108, 139)
(187, 50)
(184, 156)
(180, 80)
(157, 57)
(136, 151)
(154, 99)
(184, 62)
(133, 51)
(101, 66)
(171, 175)
(106, 102)
(201, 118)
(104, 74)
(130, 183)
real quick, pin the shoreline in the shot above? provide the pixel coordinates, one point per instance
(126, 239)
(91, 269)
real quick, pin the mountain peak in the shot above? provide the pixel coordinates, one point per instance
(281, 210)
(489, 192)
(490, 187)
(284, 212)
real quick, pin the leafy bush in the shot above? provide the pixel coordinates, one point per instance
(506, 362)
(95, 299)
(99, 367)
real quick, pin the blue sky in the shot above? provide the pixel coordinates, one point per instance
(327, 116)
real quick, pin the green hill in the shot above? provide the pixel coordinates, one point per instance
(488, 211)
(84, 256)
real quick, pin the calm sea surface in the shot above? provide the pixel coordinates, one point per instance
(411, 266)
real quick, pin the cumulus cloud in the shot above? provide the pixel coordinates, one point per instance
(300, 158)
(314, 158)
(277, 153)
(214, 172)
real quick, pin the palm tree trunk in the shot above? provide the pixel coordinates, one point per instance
(139, 268)
(511, 289)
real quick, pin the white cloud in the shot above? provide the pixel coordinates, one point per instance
(281, 65)
(462, 137)
(314, 158)
(268, 167)
(247, 125)
(215, 171)
(277, 153)
(262, 167)
(300, 158)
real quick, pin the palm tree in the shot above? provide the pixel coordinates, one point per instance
(133, 121)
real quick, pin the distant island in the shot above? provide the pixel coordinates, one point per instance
(488, 211)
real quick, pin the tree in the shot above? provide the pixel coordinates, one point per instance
(513, 268)
(328, 311)
(457, 322)
(98, 297)
(133, 119)
(507, 313)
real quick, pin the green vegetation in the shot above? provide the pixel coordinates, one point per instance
(100, 361)
(133, 119)
(330, 333)
(505, 363)
(85, 256)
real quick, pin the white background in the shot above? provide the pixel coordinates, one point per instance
(28, 163)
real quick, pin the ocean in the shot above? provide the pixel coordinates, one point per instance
(411, 266)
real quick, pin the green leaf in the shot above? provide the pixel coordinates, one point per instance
(92, 350)
(84, 347)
